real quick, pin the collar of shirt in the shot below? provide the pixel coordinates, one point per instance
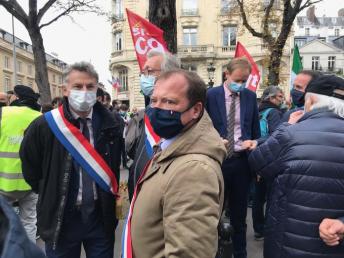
(228, 93)
(167, 142)
(76, 116)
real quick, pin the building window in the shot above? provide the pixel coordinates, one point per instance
(227, 5)
(229, 35)
(189, 7)
(19, 66)
(54, 78)
(29, 69)
(336, 32)
(7, 62)
(60, 79)
(190, 67)
(331, 63)
(123, 79)
(190, 36)
(119, 9)
(118, 41)
(315, 62)
(300, 42)
(307, 31)
(7, 82)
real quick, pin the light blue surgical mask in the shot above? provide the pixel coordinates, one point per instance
(147, 84)
(236, 87)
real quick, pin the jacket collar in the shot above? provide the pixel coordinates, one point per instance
(317, 113)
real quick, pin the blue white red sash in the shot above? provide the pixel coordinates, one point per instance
(151, 137)
(127, 248)
(81, 150)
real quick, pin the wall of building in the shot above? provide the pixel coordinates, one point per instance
(26, 67)
(210, 18)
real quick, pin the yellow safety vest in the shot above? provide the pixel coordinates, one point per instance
(14, 121)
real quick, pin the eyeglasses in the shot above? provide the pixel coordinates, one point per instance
(149, 71)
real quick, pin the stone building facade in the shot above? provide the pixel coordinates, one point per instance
(207, 33)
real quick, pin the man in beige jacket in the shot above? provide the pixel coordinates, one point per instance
(179, 198)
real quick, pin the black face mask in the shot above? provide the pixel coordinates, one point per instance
(298, 97)
(3, 104)
(165, 123)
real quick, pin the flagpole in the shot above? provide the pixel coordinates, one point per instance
(14, 55)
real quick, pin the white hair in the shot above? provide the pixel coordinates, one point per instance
(169, 62)
(333, 104)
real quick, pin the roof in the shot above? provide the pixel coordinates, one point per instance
(323, 21)
(322, 42)
(19, 43)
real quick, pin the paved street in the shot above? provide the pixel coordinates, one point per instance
(255, 248)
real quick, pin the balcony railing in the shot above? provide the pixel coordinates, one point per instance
(117, 53)
(227, 49)
(190, 12)
(231, 6)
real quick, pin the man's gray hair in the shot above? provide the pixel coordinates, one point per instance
(169, 61)
(270, 91)
(81, 67)
(333, 104)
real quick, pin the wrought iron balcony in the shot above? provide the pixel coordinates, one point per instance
(190, 12)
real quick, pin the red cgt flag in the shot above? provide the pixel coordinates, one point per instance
(254, 78)
(146, 36)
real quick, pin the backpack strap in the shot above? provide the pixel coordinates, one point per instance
(265, 113)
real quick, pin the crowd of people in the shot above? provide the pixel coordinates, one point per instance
(196, 154)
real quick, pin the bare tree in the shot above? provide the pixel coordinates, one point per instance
(33, 23)
(162, 13)
(274, 37)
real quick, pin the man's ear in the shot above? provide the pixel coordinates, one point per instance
(197, 110)
(64, 90)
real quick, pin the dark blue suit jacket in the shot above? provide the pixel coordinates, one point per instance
(249, 118)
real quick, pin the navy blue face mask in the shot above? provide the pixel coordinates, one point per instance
(165, 123)
(297, 97)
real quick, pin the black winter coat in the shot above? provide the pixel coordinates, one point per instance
(306, 161)
(47, 167)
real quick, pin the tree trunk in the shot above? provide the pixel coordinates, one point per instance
(41, 68)
(277, 53)
(162, 13)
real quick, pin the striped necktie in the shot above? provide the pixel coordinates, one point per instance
(230, 125)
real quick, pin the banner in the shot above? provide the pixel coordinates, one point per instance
(254, 78)
(146, 36)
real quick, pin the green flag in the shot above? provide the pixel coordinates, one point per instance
(297, 65)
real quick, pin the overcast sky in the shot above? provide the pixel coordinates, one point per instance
(89, 37)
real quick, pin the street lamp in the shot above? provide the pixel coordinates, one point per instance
(211, 69)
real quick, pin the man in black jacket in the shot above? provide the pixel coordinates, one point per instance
(72, 208)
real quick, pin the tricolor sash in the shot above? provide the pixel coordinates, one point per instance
(127, 248)
(151, 139)
(81, 150)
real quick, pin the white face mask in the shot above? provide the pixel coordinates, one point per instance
(82, 101)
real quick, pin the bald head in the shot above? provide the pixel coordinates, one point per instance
(3, 99)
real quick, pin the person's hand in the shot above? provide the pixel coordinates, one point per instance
(258, 178)
(295, 117)
(225, 142)
(249, 144)
(331, 231)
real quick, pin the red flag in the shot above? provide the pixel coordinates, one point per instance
(254, 78)
(146, 36)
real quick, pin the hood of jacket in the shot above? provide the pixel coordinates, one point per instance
(201, 138)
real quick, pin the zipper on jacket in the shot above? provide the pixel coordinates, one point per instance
(64, 188)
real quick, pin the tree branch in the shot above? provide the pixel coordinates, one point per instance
(16, 10)
(308, 3)
(66, 12)
(44, 9)
(266, 34)
(245, 21)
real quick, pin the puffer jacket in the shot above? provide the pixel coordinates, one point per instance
(14, 241)
(306, 161)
